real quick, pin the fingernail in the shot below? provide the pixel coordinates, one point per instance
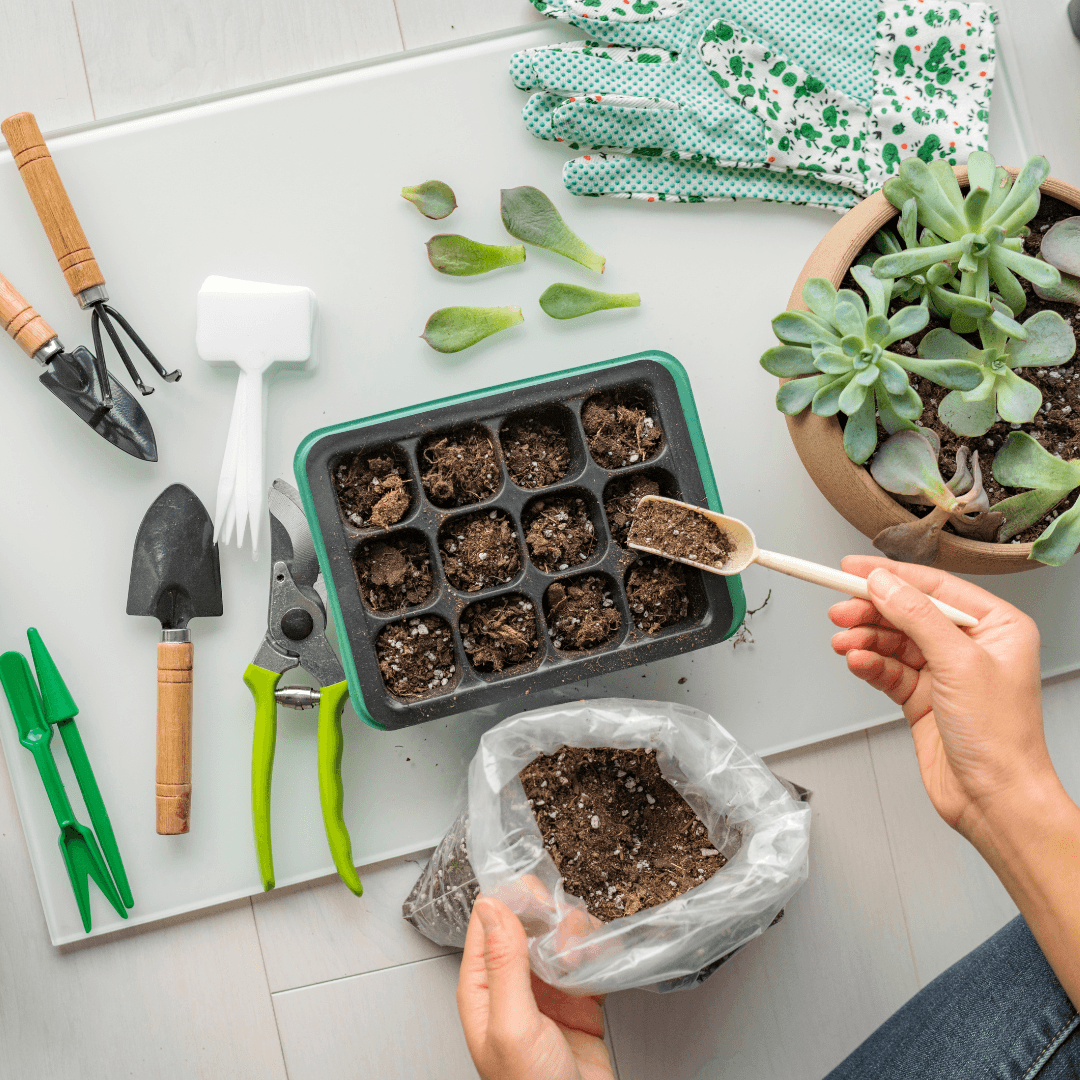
(882, 584)
(485, 914)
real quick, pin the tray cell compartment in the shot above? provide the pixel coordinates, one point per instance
(539, 517)
(355, 503)
(480, 626)
(460, 562)
(613, 443)
(438, 478)
(395, 571)
(526, 474)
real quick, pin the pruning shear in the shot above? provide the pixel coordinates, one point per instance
(296, 637)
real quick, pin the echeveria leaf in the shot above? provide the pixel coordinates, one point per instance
(889, 414)
(462, 257)
(1067, 292)
(1010, 290)
(833, 361)
(1061, 246)
(907, 405)
(1050, 341)
(1058, 543)
(981, 170)
(827, 400)
(907, 464)
(915, 259)
(452, 329)
(820, 296)
(787, 361)
(937, 209)
(433, 198)
(1017, 400)
(530, 215)
(853, 396)
(877, 292)
(942, 344)
(1023, 462)
(794, 396)
(952, 374)
(850, 313)
(1035, 270)
(860, 432)
(802, 328)
(907, 321)
(562, 301)
(1023, 190)
(967, 418)
(877, 328)
(893, 376)
(1023, 510)
(947, 183)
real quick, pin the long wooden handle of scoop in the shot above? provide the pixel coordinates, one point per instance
(21, 321)
(175, 660)
(38, 171)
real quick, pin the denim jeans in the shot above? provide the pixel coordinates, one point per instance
(998, 1014)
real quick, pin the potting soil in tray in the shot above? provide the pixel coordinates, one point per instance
(621, 836)
(510, 609)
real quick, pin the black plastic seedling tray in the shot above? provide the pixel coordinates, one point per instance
(716, 604)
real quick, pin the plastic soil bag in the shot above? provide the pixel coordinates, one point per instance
(750, 817)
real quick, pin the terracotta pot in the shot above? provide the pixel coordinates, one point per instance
(819, 440)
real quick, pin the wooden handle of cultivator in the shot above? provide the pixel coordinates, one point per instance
(51, 201)
(175, 660)
(21, 321)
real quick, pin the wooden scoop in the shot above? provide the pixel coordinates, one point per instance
(745, 551)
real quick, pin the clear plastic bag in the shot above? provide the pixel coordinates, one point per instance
(750, 816)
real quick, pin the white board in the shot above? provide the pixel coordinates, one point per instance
(299, 185)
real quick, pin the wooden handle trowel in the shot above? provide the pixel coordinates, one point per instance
(176, 577)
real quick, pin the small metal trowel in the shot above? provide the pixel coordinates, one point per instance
(176, 577)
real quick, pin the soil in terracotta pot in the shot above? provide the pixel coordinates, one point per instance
(459, 468)
(394, 573)
(621, 497)
(622, 837)
(500, 633)
(559, 532)
(536, 453)
(416, 657)
(620, 428)
(480, 550)
(581, 613)
(656, 593)
(372, 488)
(680, 533)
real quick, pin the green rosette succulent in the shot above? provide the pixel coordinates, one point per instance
(841, 348)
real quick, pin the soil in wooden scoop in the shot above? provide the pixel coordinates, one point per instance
(416, 657)
(620, 429)
(460, 467)
(536, 453)
(581, 613)
(480, 550)
(621, 497)
(622, 837)
(656, 592)
(500, 633)
(394, 573)
(559, 532)
(372, 489)
(680, 533)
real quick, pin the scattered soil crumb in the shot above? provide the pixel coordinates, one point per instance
(619, 429)
(581, 613)
(682, 680)
(460, 468)
(620, 501)
(500, 633)
(480, 550)
(622, 837)
(416, 657)
(536, 453)
(559, 532)
(394, 573)
(371, 489)
(679, 532)
(656, 593)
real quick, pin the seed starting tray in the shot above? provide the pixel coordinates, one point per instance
(681, 466)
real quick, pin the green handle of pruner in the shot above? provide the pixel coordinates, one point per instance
(331, 789)
(262, 684)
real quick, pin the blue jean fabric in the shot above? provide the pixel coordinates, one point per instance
(998, 1014)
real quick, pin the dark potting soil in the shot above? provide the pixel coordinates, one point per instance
(680, 533)
(559, 532)
(620, 429)
(656, 592)
(536, 453)
(480, 550)
(500, 633)
(459, 468)
(372, 489)
(394, 573)
(581, 613)
(622, 837)
(621, 497)
(416, 657)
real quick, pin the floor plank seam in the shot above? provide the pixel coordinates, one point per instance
(266, 979)
(82, 56)
(400, 28)
(360, 974)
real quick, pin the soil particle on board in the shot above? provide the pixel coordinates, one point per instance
(500, 633)
(559, 532)
(371, 489)
(536, 453)
(480, 550)
(460, 468)
(394, 573)
(621, 497)
(680, 533)
(416, 657)
(656, 593)
(619, 429)
(581, 613)
(621, 836)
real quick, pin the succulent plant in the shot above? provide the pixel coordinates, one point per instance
(1023, 462)
(981, 234)
(907, 465)
(1061, 249)
(530, 215)
(843, 349)
(1044, 340)
(562, 301)
(462, 257)
(432, 198)
(452, 329)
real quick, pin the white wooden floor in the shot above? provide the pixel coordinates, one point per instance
(311, 982)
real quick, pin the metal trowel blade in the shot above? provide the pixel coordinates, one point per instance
(72, 377)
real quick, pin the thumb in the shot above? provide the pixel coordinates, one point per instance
(911, 612)
(512, 1007)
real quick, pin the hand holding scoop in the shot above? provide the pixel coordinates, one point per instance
(645, 536)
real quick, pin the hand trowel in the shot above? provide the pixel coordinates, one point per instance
(176, 577)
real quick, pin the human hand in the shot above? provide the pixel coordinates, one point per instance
(973, 699)
(517, 1027)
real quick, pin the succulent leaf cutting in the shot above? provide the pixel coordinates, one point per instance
(452, 329)
(461, 257)
(433, 198)
(530, 215)
(562, 301)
